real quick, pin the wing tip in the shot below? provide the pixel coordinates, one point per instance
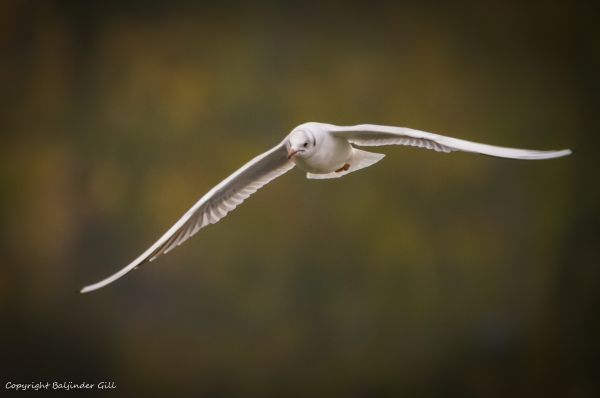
(102, 283)
(87, 289)
(557, 154)
(99, 285)
(526, 154)
(110, 279)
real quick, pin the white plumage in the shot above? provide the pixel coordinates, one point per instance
(323, 151)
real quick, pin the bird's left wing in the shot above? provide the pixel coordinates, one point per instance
(376, 135)
(213, 206)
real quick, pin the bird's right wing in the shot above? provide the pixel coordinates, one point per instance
(213, 206)
(376, 135)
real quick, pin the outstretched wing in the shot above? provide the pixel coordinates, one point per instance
(375, 135)
(213, 206)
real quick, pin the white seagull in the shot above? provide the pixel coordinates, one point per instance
(323, 151)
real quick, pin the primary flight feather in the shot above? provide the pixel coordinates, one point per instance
(323, 151)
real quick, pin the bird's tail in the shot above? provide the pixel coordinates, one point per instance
(359, 160)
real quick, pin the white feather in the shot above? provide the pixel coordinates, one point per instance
(332, 150)
(213, 206)
(376, 135)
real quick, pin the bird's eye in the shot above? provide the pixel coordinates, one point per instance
(305, 144)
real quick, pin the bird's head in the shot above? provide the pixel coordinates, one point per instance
(300, 143)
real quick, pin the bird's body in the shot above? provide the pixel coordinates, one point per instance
(323, 151)
(333, 153)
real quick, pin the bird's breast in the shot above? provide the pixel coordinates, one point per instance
(329, 155)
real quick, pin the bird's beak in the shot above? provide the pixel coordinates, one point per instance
(291, 153)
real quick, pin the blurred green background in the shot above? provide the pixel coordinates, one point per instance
(425, 275)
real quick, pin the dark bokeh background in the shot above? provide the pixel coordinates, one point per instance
(426, 275)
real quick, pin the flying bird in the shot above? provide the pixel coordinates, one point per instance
(323, 151)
